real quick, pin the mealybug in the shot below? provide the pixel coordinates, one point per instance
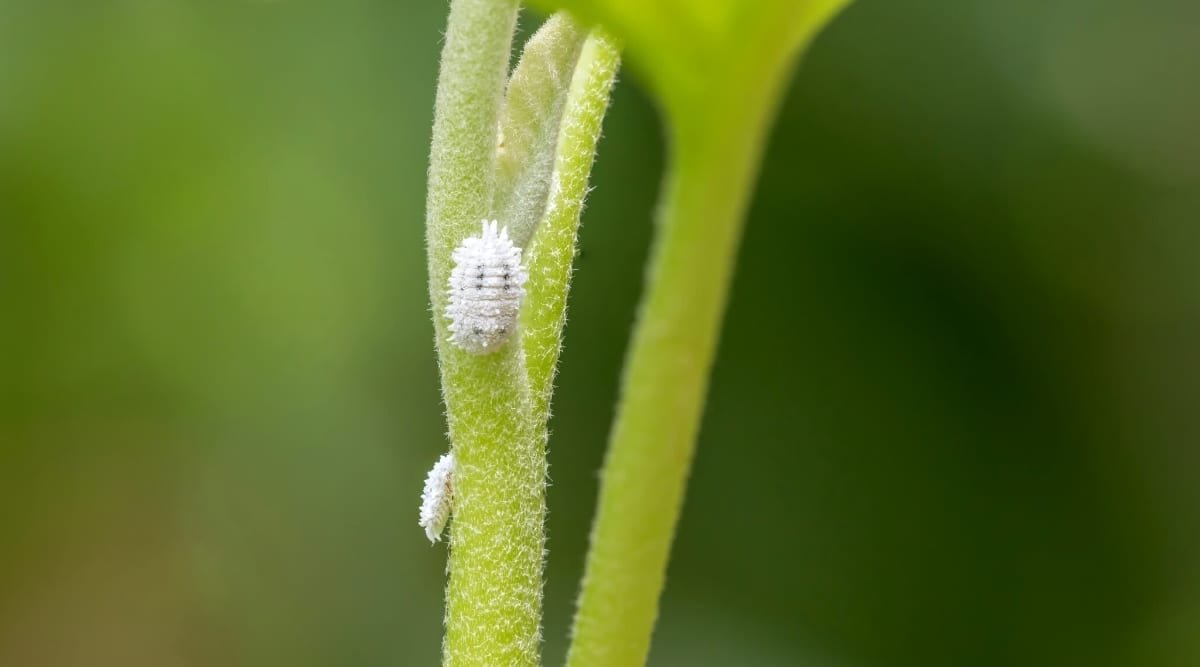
(438, 497)
(486, 287)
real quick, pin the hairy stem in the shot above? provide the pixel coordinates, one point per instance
(713, 164)
(493, 599)
(552, 251)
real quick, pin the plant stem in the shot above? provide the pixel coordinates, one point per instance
(713, 166)
(493, 598)
(552, 251)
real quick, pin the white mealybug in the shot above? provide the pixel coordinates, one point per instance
(437, 498)
(486, 287)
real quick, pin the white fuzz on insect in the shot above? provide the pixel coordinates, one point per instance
(486, 287)
(437, 498)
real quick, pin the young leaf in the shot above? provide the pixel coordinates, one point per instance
(529, 125)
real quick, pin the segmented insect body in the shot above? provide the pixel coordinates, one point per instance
(486, 286)
(437, 499)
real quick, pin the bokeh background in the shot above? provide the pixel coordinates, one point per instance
(954, 419)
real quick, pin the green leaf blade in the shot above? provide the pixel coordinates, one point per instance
(689, 52)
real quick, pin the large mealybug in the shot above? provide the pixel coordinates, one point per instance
(486, 287)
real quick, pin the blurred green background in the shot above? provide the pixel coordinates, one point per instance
(954, 419)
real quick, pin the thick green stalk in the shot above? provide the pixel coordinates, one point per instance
(713, 165)
(493, 599)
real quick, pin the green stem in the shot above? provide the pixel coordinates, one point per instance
(493, 598)
(714, 163)
(552, 251)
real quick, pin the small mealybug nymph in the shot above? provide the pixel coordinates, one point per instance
(438, 497)
(486, 287)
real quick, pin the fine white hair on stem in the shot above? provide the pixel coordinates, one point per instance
(485, 290)
(437, 499)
